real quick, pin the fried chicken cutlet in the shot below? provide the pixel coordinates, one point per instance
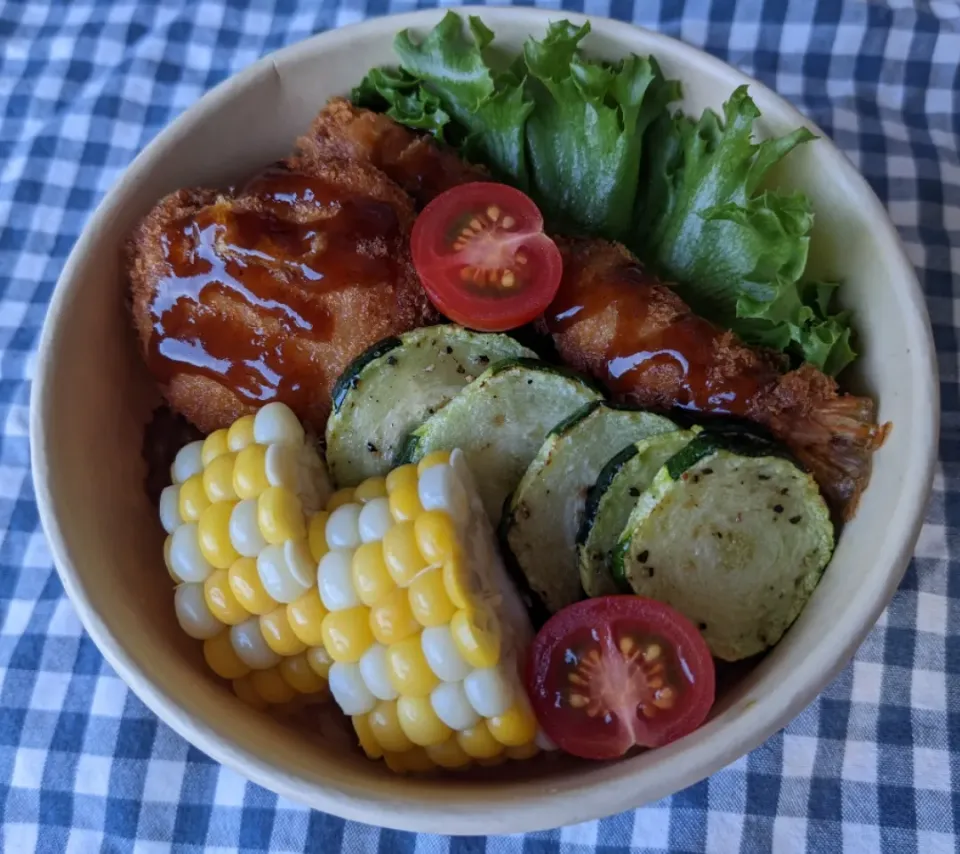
(268, 293)
(421, 166)
(614, 321)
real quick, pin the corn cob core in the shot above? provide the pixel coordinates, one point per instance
(393, 596)
(236, 515)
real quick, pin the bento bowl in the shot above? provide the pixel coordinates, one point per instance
(92, 397)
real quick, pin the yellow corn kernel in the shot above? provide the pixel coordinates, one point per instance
(320, 661)
(248, 588)
(371, 579)
(408, 670)
(448, 754)
(478, 743)
(250, 472)
(221, 657)
(436, 536)
(317, 535)
(386, 728)
(166, 559)
(420, 723)
(406, 763)
(401, 554)
(221, 600)
(300, 676)
(346, 634)
(218, 479)
(514, 727)
(240, 433)
(270, 685)
(280, 515)
(193, 498)
(372, 487)
(244, 689)
(428, 599)
(213, 534)
(414, 761)
(338, 499)
(405, 503)
(477, 635)
(305, 616)
(368, 741)
(522, 751)
(402, 476)
(456, 582)
(391, 619)
(279, 634)
(434, 458)
(213, 446)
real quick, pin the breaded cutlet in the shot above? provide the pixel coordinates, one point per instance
(417, 163)
(269, 292)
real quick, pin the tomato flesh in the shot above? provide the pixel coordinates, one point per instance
(483, 258)
(609, 673)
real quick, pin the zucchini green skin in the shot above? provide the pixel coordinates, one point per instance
(609, 504)
(350, 378)
(392, 387)
(544, 513)
(736, 542)
(500, 421)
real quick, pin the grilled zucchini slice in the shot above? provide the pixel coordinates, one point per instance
(731, 536)
(545, 511)
(500, 421)
(395, 386)
(610, 502)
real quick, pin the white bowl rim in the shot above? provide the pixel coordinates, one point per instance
(757, 722)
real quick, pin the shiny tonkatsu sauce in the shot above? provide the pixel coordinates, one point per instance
(300, 239)
(643, 348)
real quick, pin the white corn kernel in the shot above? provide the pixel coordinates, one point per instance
(277, 577)
(375, 520)
(245, 535)
(193, 614)
(300, 562)
(170, 508)
(188, 462)
(439, 488)
(343, 530)
(489, 691)
(376, 674)
(313, 482)
(251, 648)
(335, 581)
(442, 654)
(185, 556)
(349, 690)
(450, 703)
(276, 423)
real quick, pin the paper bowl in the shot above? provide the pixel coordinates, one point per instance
(92, 396)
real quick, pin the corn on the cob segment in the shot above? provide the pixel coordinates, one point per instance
(393, 595)
(237, 516)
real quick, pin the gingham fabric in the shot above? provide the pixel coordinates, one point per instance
(872, 766)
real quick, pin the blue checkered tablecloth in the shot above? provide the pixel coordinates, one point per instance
(872, 766)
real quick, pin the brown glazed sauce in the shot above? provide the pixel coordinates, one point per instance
(643, 350)
(276, 249)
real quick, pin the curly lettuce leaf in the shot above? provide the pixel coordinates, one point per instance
(736, 252)
(400, 96)
(491, 107)
(584, 134)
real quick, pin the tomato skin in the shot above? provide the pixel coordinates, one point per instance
(490, 274)
(619, 685)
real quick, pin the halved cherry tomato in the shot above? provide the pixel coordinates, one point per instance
(483, 258)
(608, 673)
